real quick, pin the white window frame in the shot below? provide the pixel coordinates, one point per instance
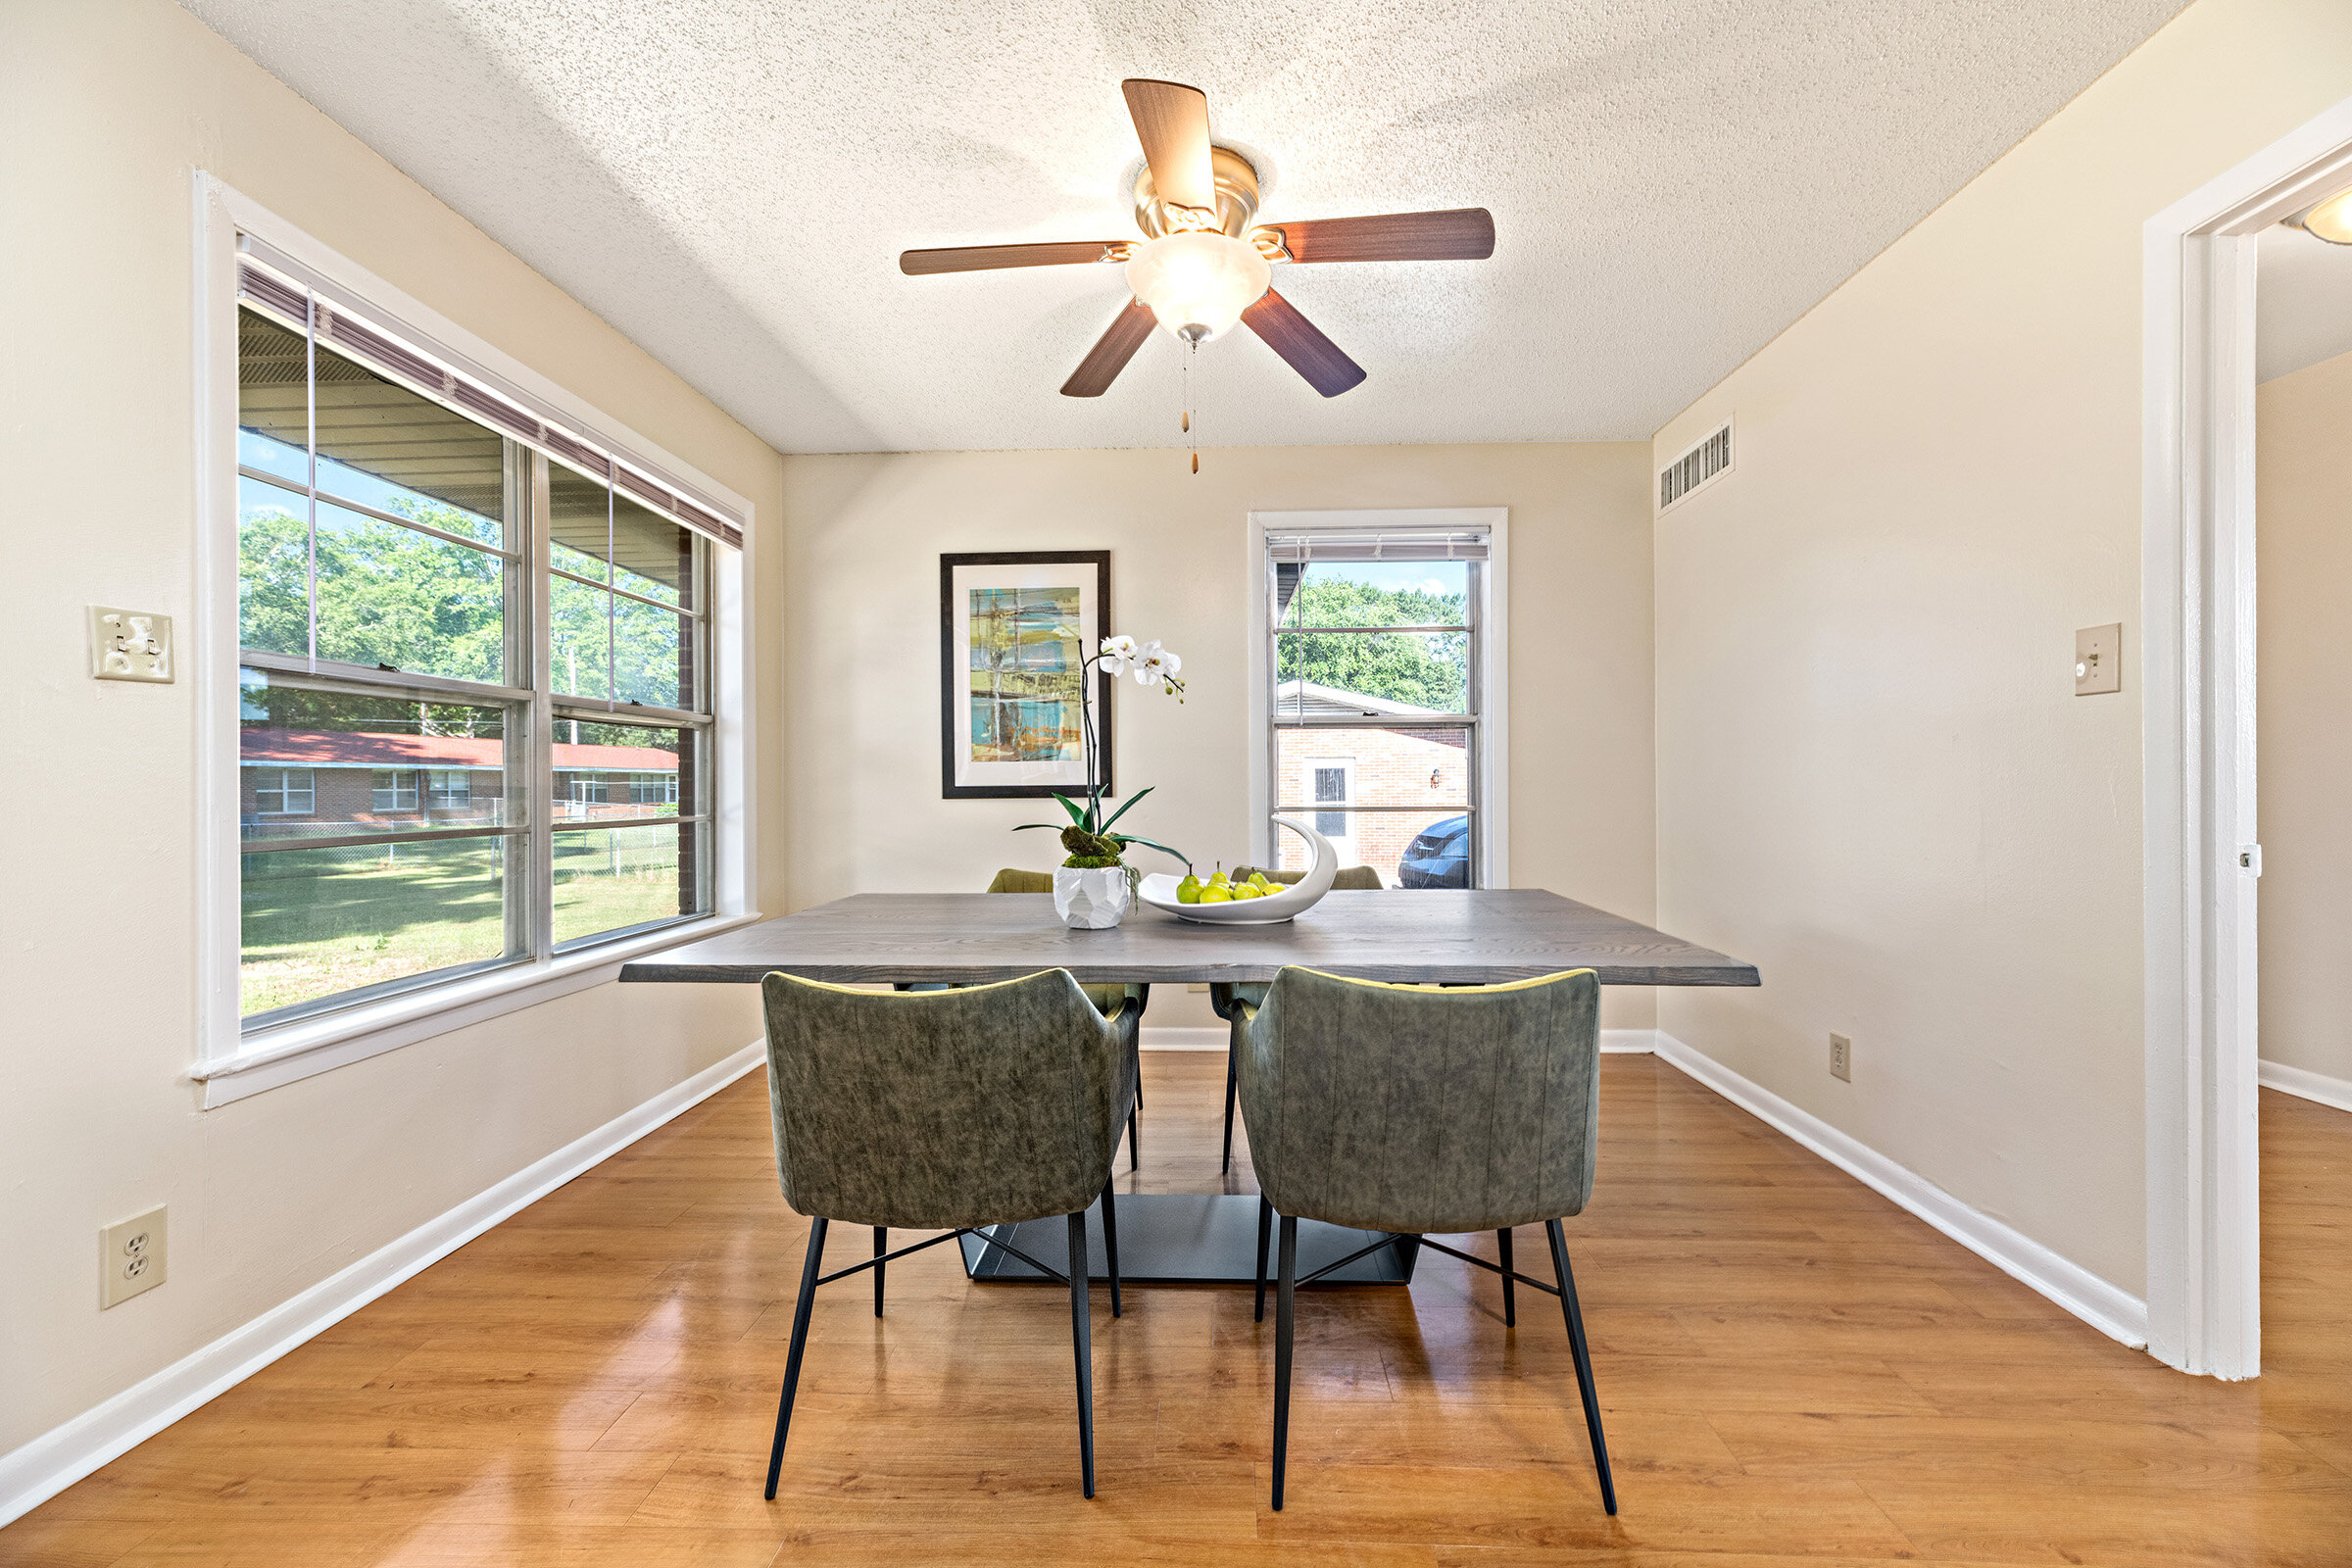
(231, 1062)
(285, 790)
(376, 792)
(1347, 766)
(1492, 675)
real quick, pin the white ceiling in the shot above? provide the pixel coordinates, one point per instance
(2302, 302)
(730, 182)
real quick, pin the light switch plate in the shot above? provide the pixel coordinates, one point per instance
(130, 1257)
(130, 644)
(2100, 659)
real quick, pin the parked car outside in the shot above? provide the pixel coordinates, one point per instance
(1439, 857)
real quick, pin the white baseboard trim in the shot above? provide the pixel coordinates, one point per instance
(2106, 1307)
(64, 1454)
(2318, 1086)
(1630, 1042)
(1173, 1038)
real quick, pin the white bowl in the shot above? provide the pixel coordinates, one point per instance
(1160, 890)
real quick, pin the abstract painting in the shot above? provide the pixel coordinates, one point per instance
(1013, 629)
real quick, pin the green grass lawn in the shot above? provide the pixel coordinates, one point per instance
(323, 921)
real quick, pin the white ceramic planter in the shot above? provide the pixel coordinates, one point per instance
(1090, 897)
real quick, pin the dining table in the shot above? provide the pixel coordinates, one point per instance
(1445, 936)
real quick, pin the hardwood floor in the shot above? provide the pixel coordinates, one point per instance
(1791, 1369)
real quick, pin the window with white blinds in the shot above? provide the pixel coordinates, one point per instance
(277, 286)
(1376, 673)
(476, 661)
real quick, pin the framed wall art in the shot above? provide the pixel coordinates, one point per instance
(1014, 628)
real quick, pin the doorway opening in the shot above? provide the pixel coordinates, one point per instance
(2203, 856)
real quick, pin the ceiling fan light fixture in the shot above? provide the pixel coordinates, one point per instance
(1199, 285)
(2330, 220)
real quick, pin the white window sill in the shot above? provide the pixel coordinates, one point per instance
(300, 1050)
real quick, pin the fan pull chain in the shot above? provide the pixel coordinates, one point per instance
(1192, 347)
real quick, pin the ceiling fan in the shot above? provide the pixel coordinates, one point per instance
(1201, 266)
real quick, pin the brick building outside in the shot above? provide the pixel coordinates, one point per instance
(1426, 772)
(318, 782)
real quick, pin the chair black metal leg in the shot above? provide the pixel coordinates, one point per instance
(1265, 1231)
(1080, 1345)
(1110, 1243)
(1134, 1143)
(809, 1263)
(1510, 1293)
(881, 1245)
(1233, 1079)
(1584, 1361)
(1285, 1290)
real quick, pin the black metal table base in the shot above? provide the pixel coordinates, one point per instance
(1189, 1239)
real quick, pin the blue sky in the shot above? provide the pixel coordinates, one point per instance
(1433, 577)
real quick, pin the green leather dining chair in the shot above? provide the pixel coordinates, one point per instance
(965, 1111)
(1013, 879)
(1420, 1109)
(1349, 880)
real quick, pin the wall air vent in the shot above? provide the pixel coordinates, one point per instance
(1700, 466)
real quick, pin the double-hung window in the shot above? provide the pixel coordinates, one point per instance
(282, 792)
(1375, 667)
(449, 612)
(395, 791)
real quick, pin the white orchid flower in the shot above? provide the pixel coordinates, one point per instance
(1117, 655)
(1158, 663)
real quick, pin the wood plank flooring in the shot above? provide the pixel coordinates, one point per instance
(1792, 1371)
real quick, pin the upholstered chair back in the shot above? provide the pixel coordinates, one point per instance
(931, 1109)
(1412, 1108)
(1348, 878)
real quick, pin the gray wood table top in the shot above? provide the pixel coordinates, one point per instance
(1474, 936)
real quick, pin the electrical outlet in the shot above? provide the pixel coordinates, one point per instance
(128, 645)
(130, 1257)
(1842, 1057)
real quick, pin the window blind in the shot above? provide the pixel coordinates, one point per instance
(282, 288)
(1401, 544)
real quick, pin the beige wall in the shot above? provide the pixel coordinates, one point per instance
(1874, 780)
(106, 107)
(862, 627)
(2303, 544)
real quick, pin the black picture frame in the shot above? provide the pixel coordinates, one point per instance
(953, 675)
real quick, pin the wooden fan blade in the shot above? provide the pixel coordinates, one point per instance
(1171, 121)
(1302, 345)
(983, 258)
(1111, 352)
(1465, 234)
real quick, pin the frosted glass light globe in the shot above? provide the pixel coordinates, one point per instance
(2332, 219)
(1199, 285)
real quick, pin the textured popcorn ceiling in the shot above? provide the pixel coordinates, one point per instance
(730, 182)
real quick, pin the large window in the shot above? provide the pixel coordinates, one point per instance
(476, 691)
(1375, 670)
